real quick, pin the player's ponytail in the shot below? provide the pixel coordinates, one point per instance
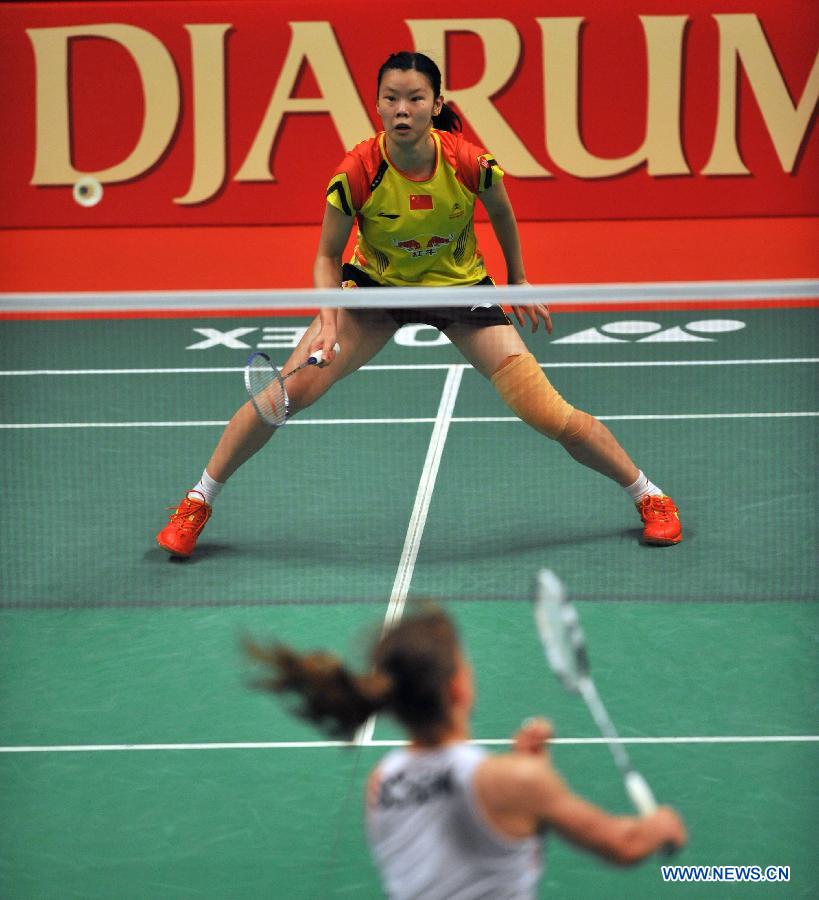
(332, 697)
(404, 60)
(447, 120)
(412, 665)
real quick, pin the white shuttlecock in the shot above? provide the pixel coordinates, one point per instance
(88, 191)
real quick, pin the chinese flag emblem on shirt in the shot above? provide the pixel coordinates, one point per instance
(420, 201)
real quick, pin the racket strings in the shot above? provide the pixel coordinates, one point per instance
(267, 391)
(273, 401)
(564, 641)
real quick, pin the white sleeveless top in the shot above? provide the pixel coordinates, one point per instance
(431, 841)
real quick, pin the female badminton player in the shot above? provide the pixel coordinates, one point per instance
(445, 818)
(412, 191)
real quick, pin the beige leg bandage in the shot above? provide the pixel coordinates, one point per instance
(528, 393)
(578, 428)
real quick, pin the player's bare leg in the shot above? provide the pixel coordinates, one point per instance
(585, 438)
(495, 350)
(361, 335)
(597, 448)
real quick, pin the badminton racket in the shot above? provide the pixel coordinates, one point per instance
(266, 386)
(565, 646)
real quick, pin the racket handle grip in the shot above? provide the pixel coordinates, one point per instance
(318, 356)
(640, 794)
(643, 800)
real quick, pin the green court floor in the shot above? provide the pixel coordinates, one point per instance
(135, 761)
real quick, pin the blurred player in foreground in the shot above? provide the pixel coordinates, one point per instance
(412, 190)
(444, 818)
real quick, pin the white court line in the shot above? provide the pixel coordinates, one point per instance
(423, 496)
(655, 417)
(412, 540)
(320, 745)
(408, 367)
(457, 420)
(207, 423)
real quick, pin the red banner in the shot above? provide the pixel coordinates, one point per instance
(201, 113)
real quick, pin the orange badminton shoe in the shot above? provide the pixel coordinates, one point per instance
(179, 535)
(661, 520)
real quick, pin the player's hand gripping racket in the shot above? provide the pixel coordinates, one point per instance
(565, 645)
(266, 388)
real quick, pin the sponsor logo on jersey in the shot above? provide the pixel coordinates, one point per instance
(424, 244)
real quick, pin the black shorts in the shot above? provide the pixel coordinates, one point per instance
(440, 317)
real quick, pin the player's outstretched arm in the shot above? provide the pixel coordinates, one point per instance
(335, 230)
(522, 794)
(502, 216)
(624, 840)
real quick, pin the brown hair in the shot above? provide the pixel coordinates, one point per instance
(412, 665)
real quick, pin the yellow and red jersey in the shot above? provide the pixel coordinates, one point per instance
(415, 232)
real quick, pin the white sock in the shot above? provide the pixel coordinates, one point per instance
(642, 487)
(207, 487)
